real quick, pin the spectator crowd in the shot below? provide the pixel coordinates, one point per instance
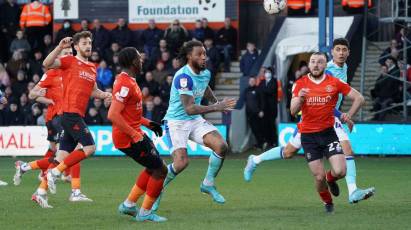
(22, 54)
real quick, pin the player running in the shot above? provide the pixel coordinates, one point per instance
(183, 119)
(316, 95)
(79, 84)
(3, 101)
(126, 115)
(337, 68)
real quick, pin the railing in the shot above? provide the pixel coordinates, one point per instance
(399, 16)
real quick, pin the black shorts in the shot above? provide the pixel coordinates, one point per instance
(54, 129)
(74, 131)
(144, 153)
(320, 144)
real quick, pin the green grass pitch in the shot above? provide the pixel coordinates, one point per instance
(281, 196)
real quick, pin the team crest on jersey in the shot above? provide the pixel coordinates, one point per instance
(124, 91)
(308, 155)
(329, 88)
(183, 83)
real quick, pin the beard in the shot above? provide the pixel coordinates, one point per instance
(84, 53)
(316, 76)
(199, 66)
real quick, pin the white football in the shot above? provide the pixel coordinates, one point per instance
(274, 6)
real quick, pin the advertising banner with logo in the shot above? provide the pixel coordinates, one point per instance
(165, 11)
(32, 141)
(367, 139)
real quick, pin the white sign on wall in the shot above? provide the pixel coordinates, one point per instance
(65, 9)
(23, 141)
(165, 11)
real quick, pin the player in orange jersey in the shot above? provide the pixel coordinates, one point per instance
(79, 84)
(316, 95)
(126, 114)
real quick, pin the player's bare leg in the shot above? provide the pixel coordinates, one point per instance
(180, 162)
(23, 167)
(215, 142)
(338, 170)
(276, 153)
(318, 171)
(354, 194)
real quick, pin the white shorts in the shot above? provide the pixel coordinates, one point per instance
(178, 132)
(295, 140)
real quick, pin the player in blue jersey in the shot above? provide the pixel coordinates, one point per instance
(337, 68)
(183, 120)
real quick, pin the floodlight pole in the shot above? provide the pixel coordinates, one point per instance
(363, 52)
(322, 23)
(330, 25)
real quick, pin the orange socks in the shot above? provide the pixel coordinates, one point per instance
(135, 193)
(75, 176)
(72, 159)
(49, 153)
(154, 187)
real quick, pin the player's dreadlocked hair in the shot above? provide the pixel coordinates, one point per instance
(127, 56)
(186, 49)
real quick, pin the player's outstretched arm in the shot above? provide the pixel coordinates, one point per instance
(210, 96)
(358, 101)
(51, 61)
(98, 93)
(192, 109)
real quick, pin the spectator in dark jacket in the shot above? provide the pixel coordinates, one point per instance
(208, 32)
(47, 46)
(175, 36)
(151, 37)
(36, 64)
(254, 107)
(122, 34)
(159, 110)
(65, 31)
(388, 51)
(31, 118)
(13, 115)
(9, 24)
(166, 59)
(109, 53)
(248, 59)
(387, 89)
(159, 73)
(93, 117)
(24, 106)
(157, 51)
(19, 87)
(101, 37)
(198, 33)
(226, 42)
(268, 86)
(15, 64)
(213, 60)
(152, 85)
(176, 65)
(165, 89)
(103, 111)
(20, 43)
(84, 25)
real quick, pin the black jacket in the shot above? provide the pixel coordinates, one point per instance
(122, 35)
(254, 100)
(101, 39)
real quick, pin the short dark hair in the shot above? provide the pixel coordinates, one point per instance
(127, 56)
(341, 41)
(80, 35)
(320, 53)
(186, 49)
